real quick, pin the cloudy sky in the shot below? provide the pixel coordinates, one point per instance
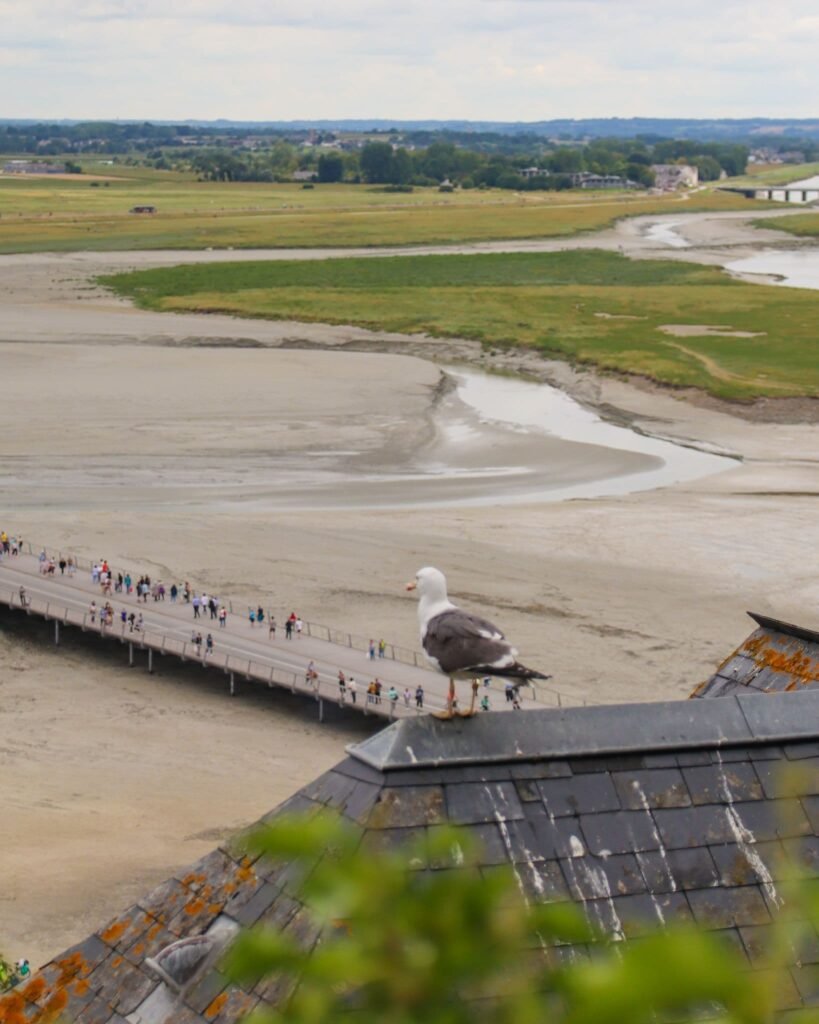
(477, 59)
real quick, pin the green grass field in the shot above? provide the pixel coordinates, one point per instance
(88, 212)
(804, 225)
(776, 174)
(585, 306)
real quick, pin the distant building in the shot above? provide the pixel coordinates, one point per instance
(532, 172)
(142, 209)
(32, 167)
(304, 175)
(669, 177)
(585, 179)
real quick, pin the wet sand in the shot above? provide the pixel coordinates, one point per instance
(113, 779)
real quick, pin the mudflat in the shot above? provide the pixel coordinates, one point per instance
(152, 440)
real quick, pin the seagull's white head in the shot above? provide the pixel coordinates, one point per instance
(430, 584)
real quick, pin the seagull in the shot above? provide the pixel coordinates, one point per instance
(460, 644)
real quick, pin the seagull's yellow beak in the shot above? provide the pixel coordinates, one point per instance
(412, 585)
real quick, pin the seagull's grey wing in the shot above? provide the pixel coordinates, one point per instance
(458, 640)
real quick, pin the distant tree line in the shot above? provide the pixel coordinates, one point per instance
(391, 158)
(388, 163)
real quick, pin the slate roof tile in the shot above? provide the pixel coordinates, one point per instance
(404, 807)
(803, 851)
(672, 870)
(118, 982)
(474, 802)
(98, 1011)
(581, 794)
(797, 751)
(261, 901)
(206, 990)
(231, 1005)
(154, 939)
(620, 832)
(687, 827)
(197, 912)
(640, 913)
(543, 882)
(594, 877)
(722, 908)
(651, 787)
(806, 978)
(786, 994)
(391, 839)
(127, 928)
(693, 758)
(772, 819)
(528, 791)
(756, 940)
(790, 779)
(747, 864)
(164, 901)
(555, 837)
(712, 784)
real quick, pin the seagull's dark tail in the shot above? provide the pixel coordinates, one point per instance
(514, 671)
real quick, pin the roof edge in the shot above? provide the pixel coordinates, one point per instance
(778, 626)
(604, 730)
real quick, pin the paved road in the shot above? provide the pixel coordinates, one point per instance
(238, 648)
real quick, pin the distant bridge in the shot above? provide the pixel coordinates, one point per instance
(239, 650)
(777, 193)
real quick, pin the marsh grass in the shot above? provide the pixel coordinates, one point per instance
(803, 225)
(39, 214)
(585, 306)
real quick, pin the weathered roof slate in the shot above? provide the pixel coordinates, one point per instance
(777, 657)
(644, 814)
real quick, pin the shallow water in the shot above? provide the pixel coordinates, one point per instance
(521, 405)
(498, 441)
(666, 232)
(796, 269)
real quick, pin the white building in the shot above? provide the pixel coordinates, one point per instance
(669, 177)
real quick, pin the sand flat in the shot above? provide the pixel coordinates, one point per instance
(114, 779)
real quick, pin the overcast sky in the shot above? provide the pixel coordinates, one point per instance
(478, 59)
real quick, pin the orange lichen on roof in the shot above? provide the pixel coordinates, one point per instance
(34, 990)
(797, 664)
(71, 966)
(54, 1007)
(194, 907)
(80, 987)
(113, 934)
(13, 1009)
(216, 1006)
(193, 879)
(246, 872)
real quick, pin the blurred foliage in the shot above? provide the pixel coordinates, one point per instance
(423, 936)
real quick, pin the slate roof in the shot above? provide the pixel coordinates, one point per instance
(643, 814)
(776, 657)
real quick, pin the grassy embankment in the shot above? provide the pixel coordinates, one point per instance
(775, 174)
(592, 307)
(42, 214)
(803, 225)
